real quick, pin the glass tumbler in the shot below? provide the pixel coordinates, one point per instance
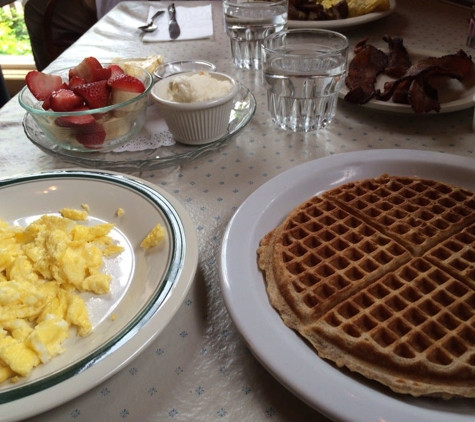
(248, 23)
(303, 71)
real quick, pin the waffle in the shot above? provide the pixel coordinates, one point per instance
(379, 276)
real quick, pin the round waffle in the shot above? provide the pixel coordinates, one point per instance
(379, 276)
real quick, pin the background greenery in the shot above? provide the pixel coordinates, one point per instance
(13, 34)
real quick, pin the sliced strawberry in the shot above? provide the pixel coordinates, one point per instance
(75, 81)
(91, 136)
(42, 85)
(83, 120)
(46, 105)
(65, 100)
(91, 70)
(95, 94)
(126, 83)
(106, 74)
(116, 70)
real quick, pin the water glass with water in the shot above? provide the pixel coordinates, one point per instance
(303, 71)
(247, 23)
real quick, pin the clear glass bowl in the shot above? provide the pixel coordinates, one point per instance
(172, 68)
(120, 121)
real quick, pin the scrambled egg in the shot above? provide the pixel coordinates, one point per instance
(363, 7)
(78, 215)
(156, 235)
(359, 7)
(42, 267)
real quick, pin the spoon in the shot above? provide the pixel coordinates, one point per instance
(150, 27)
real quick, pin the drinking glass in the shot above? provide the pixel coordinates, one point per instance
(303, 70)
(248, 23)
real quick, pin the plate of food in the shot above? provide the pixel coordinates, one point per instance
(380, 9)
(444, 93)
(280, 268)
(94, 266)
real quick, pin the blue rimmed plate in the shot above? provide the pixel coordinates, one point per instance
(147, 287)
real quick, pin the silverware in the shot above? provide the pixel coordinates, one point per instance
(173, 28)
(150, 27)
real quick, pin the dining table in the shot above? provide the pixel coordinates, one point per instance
(201, 367)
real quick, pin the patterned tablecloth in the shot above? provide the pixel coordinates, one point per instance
(200, 368)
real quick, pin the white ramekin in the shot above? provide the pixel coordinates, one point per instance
(195, 123)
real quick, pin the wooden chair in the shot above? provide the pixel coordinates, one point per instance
(4, 94)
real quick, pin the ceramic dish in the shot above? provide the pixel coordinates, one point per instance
(289, 358)
(196, 122)
(147, 287)
(453, 95)
(172, 68)
(132, 161)
(344, 24)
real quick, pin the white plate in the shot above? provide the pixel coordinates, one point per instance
(343, 24)
(147, 288)
(453, 95)
(336, 393)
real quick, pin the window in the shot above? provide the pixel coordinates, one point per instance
(16, 58)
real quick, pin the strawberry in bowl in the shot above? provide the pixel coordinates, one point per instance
(89, 107)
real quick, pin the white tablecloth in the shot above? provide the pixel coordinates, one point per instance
(200, 368)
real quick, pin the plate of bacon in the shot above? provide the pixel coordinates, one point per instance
(408, 81)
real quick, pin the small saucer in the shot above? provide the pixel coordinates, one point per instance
(171, 68)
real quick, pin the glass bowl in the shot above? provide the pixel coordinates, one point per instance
(120, 121)
(172, 68)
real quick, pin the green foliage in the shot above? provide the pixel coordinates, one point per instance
(13, 33)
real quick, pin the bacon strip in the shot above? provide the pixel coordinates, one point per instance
(423, 97)
(399, 60)
(363, 71)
